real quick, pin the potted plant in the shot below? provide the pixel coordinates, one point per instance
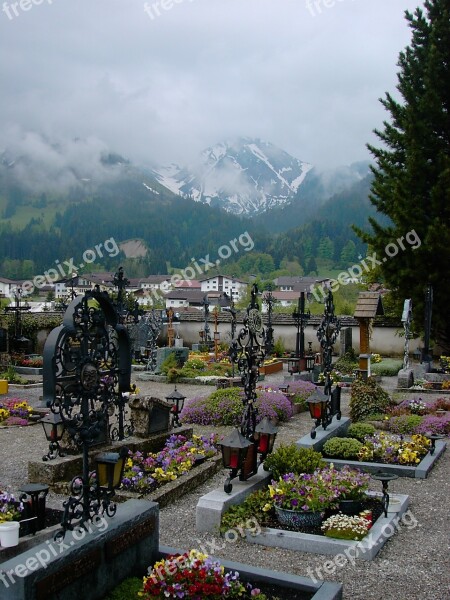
(301, 500)
(194, 575)
(10, 508)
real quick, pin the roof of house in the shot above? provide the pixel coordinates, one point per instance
(368, 305)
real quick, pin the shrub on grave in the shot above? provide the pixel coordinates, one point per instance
(347, 448)
(367, 398)
(348, 363)
(292, 459)
(360, 430)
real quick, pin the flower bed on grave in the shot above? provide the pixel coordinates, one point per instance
(194, 574)
(377, 446)
(419, 416)
(145, 473)
(15, 412)
(337, 499)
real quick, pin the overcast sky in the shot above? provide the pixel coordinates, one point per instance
(160, 86)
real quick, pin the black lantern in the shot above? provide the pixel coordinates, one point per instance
(176, 399)
(265, 434)
(53, 428)
(109, 467)
(310, 358)
(234, 452)
(293, 364)
(317, 404)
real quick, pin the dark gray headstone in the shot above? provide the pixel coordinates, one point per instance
(345, 340)
(88, 564)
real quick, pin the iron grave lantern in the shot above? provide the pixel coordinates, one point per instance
(109, 467)
(234, 453)
(318, 404)
(265, 434)
(53, 429)
(293, 364)
(176, 399)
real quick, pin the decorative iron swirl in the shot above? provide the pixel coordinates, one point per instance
(250, 353)
(327, 334)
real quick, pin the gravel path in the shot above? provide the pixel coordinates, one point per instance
(413, 565)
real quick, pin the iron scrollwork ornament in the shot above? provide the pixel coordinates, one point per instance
(250, 357)
(87, 369)
(327, 334)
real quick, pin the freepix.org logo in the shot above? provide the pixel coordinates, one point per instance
(14, 9)
(67, 267)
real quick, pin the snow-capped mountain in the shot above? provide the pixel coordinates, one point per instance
(245, 176)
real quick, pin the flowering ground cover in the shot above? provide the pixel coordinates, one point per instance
(145, 473)
(14, 411)
(420, 416)
(224, 407)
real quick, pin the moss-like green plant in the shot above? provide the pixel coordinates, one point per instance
(360, 430)
(291, 459)
(367, 398)
(388, 367)
(127, 590)
(342, 448)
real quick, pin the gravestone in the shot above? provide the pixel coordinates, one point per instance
(149, 415)
(88, 563)
(181, 355)
(345, 340)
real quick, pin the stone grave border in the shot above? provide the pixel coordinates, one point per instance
(322, 590)
(211, 506)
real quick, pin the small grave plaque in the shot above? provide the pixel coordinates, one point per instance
(54, 583)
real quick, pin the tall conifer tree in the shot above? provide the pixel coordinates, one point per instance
(412, 173)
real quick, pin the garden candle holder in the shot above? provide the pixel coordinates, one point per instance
(433, 437)
(385, 478)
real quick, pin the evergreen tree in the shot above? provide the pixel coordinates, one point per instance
(412, 173)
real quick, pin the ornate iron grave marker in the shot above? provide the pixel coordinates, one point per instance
(328, 404)
(87, 368)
